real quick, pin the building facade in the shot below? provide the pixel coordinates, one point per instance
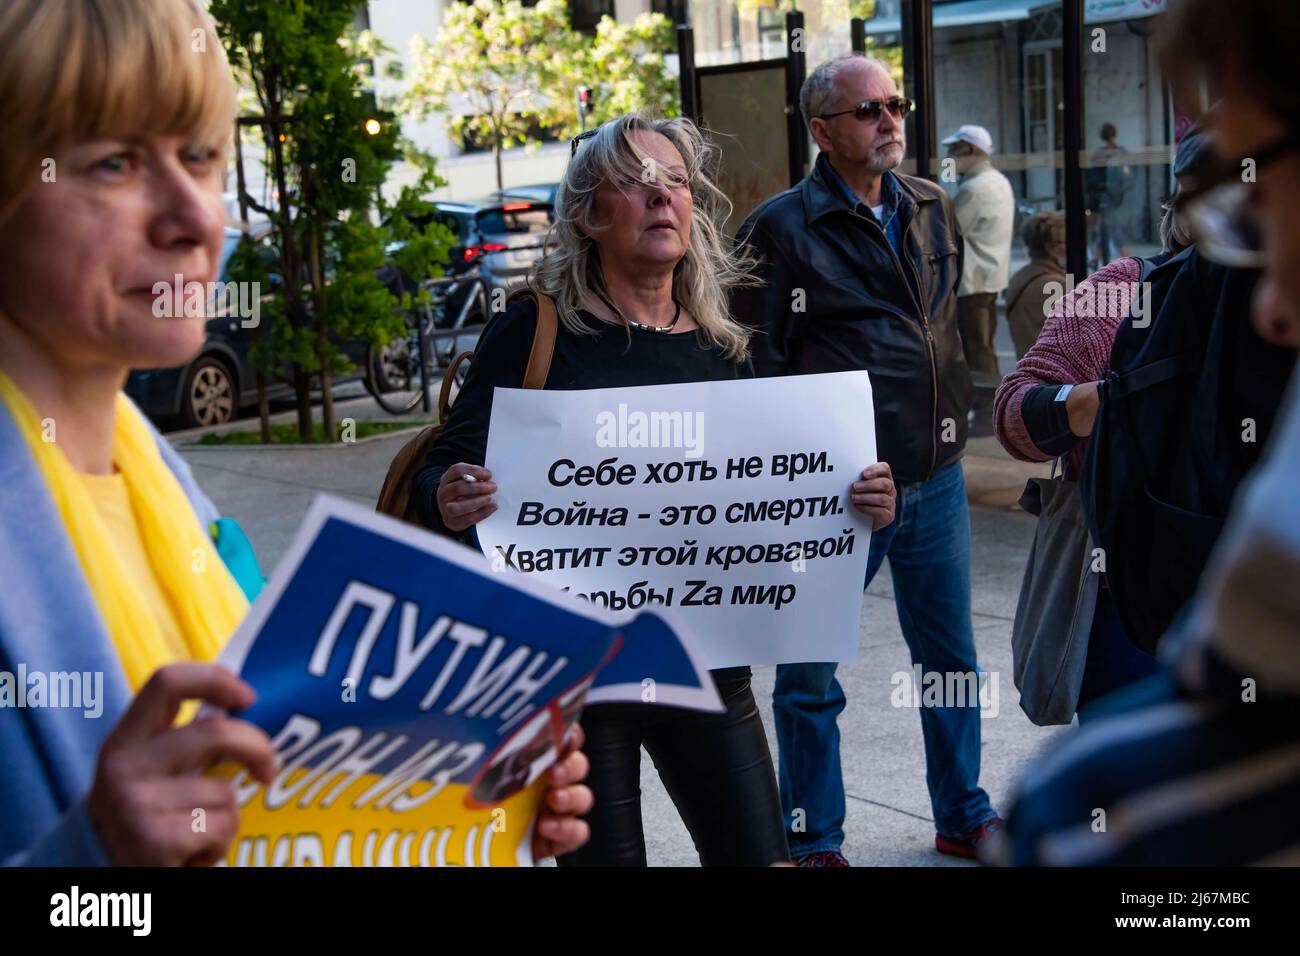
(998, 64)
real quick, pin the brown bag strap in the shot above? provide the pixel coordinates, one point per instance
(539, 358)
(449, 376)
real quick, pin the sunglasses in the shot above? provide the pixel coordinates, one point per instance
(1218, 207)
(588, 134)
(898, 106)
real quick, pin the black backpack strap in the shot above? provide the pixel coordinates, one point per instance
(1147, 267)
(1121, 385)
(1136, 379)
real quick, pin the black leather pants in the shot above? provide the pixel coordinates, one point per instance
(716, 767)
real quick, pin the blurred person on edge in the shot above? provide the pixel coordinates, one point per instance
(1200, 765)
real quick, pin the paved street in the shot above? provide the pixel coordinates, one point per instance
(268, 490)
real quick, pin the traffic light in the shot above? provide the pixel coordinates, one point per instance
(584, 100)
(376, 120)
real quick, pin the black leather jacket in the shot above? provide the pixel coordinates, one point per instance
(860, 308)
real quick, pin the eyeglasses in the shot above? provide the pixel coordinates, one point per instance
(898, 106)
(587, 134)
(1219, 210)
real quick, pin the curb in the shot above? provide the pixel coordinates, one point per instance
(301, 446)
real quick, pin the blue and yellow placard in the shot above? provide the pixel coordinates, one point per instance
(416, 697)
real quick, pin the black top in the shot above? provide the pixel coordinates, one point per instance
(614, 357)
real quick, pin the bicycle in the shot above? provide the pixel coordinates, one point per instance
(404, 372)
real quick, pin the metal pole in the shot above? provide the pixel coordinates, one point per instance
(239, 177)
(1076, 225)
(423, 325)
(918, 71)
(686, 70)
(858, 34)
(796, 68)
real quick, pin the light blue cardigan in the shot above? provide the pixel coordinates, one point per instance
(49, 622)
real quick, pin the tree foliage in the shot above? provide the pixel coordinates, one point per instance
(499, 71)
(624, 67)
(327, 163)
(487, 69)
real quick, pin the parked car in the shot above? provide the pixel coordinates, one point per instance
(501, 239)
(220, 381)
(541, 192)
(496, 242)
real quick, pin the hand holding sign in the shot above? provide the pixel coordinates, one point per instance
(465, 496)
(874, 495)
(148, 785)
(559, 830)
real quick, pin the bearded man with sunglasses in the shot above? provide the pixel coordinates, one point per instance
(862, 266)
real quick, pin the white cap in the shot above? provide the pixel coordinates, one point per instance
(977, 136)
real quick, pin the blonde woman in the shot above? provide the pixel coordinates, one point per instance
(640, 276)
(111, 166)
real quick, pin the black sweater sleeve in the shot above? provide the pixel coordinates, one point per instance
(1047, 421)
(500, 359)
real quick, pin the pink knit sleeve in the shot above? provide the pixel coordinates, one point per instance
(1074, 347)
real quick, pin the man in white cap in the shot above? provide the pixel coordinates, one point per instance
(986, 211)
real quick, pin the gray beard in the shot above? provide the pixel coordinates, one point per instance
(880, 164)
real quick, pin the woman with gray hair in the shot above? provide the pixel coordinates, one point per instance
(639, 275)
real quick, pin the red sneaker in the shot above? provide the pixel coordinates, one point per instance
(967, 846)
(823, 858)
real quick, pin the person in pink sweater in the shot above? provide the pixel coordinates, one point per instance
(1046, 407)
(1072, 350)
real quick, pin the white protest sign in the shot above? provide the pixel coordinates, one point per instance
(725, 505)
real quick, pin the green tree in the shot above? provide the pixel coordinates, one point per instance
(329, 151)
(624, 67)
(488, 68)
(498, 70)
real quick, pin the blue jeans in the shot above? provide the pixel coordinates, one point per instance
(928, 546)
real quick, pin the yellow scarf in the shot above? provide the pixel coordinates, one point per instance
(209, 604)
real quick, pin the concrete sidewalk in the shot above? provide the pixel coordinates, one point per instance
(889, 822)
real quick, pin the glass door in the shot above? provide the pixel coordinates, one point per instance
(1044, 126)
